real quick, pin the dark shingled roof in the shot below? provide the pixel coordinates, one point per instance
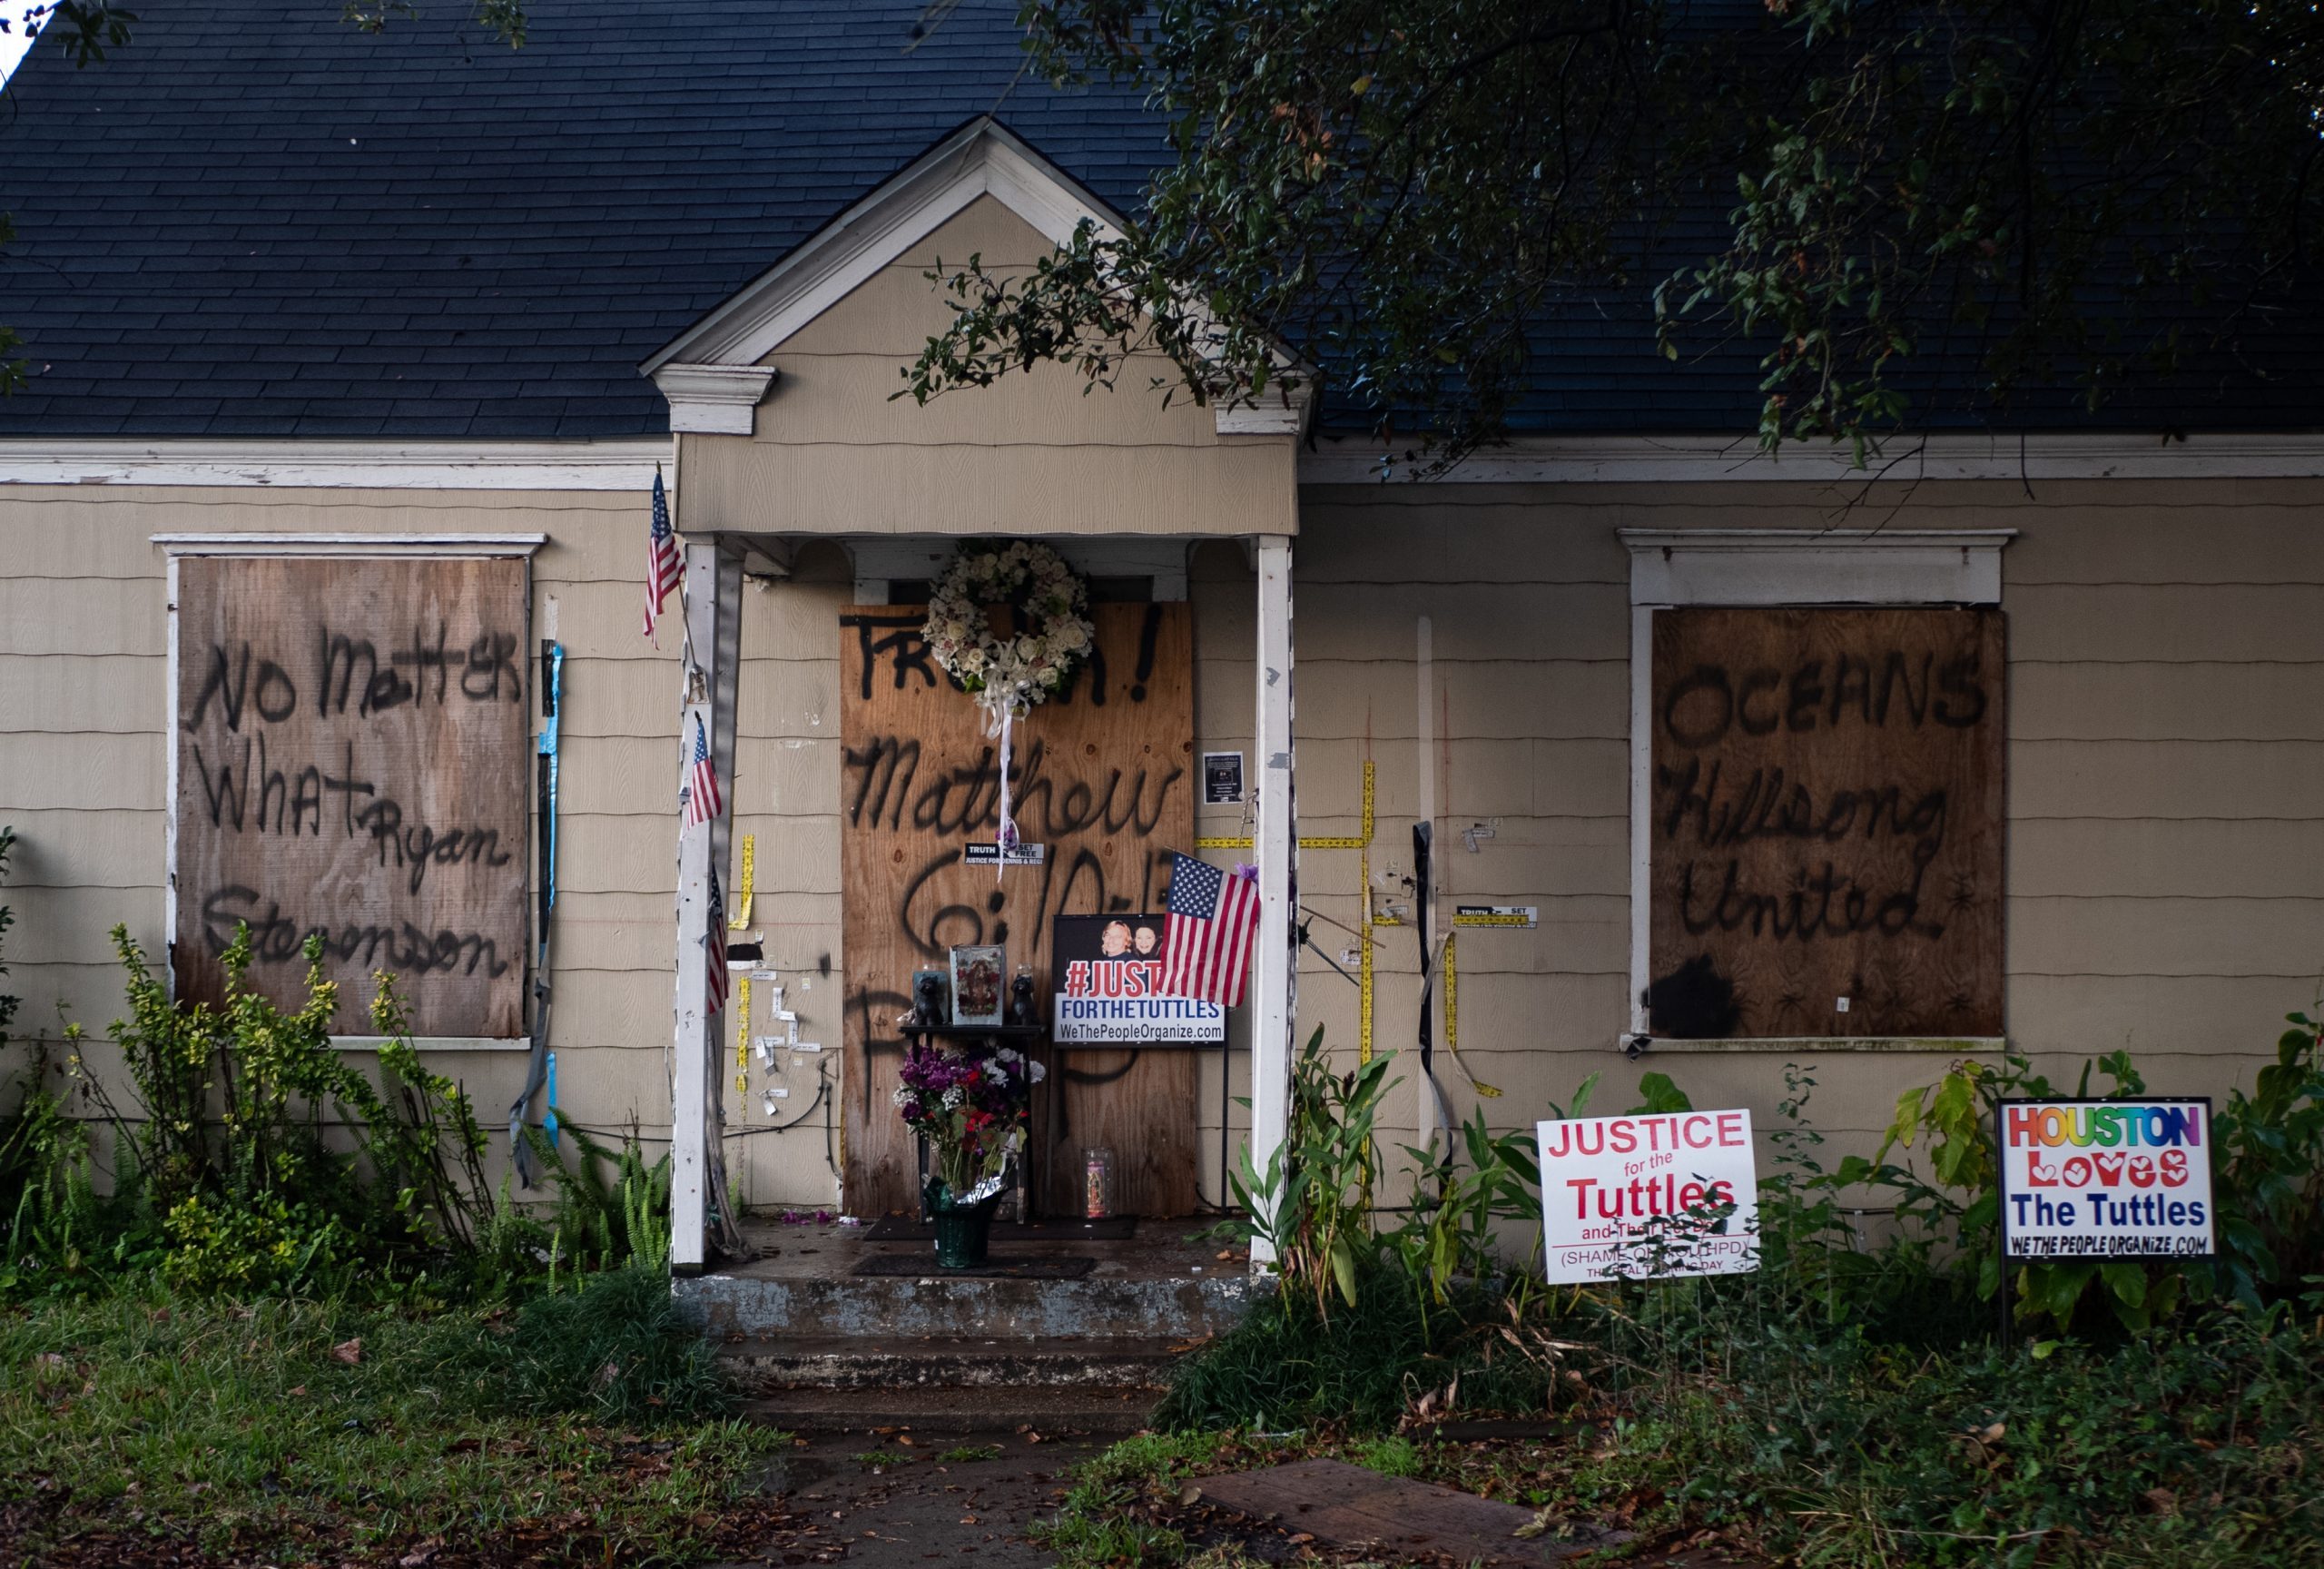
(258, 220)
(255, 221)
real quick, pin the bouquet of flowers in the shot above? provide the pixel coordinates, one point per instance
(970, 1106)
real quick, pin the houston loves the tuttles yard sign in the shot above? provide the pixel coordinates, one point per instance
(2106, 1179)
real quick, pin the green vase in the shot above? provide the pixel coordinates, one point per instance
(963, 1231)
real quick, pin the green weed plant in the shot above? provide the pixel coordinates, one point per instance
(255, 1157)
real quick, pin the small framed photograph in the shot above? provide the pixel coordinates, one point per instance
(931, 996)
(980, 979)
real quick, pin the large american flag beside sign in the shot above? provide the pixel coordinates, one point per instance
(1213, 916)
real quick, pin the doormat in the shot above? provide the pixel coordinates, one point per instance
(919, 1266)
(902, 1228)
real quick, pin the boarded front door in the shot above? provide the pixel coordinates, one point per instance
(351, 766)
(1826, 839)
(1104, 780)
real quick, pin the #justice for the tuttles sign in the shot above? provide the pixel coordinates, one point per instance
(1651, 1194)
(2106, 1179)
(1107, 985)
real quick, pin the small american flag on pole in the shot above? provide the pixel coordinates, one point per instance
(714, 945)
(662, 569)
(699, 795)
(1213, 917)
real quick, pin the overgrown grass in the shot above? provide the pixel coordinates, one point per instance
(1288, 1366)
(1108, 1517)
(1706, 1418)
(1848, 1405)
(2190, 1448)
(581, 1425)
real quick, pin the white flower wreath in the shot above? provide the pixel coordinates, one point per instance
(1008, 675)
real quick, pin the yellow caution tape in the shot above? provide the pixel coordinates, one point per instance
(742, 917)
(1453, 1019)
(743, 1025)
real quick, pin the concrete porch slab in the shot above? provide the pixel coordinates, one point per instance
(800, 1283)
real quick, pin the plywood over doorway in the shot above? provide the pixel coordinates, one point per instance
(1104, 779)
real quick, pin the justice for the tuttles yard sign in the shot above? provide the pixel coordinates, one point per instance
(1664, 1193)
(2106, 1179)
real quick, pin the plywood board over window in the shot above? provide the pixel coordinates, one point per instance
(351, 766)
(1825, 832)
(1102, 779)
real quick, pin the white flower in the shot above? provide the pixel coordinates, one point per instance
(1008, 675)
(952, 1099)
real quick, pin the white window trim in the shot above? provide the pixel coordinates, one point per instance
(2015, 457)
(306, 464)
(1770, 567)
(374, 547)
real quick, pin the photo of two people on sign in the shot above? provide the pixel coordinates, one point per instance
(1130, 940)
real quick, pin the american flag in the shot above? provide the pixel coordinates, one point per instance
(1213, 916)
(713, 944)
(699, 796)
(662, 569)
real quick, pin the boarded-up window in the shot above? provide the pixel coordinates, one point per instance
(1826, 838)
(351, 743)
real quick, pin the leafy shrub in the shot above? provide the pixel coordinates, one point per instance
(1311, 1206)
(230, 1156)
(258, 1158)
(2268, 1185)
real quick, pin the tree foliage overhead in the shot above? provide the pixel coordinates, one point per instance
(1403, 193)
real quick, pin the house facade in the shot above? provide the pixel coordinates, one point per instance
(1725, 763)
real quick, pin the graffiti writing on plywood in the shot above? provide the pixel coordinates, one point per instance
(352, 741)
(1099, 776)
(1825, 825)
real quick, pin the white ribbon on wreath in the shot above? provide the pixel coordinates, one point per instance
(1008, 675)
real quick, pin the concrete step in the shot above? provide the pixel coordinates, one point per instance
(927, 1413)
(885, 1363)
(756, 1303)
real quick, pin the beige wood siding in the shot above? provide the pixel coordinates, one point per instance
(1041, 453)
(2166, 766)
(2166, 829)
(83, 728)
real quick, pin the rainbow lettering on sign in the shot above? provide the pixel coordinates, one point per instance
(2157, 1127)
(2089, 1179)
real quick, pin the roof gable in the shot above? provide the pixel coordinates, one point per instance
(982, 158)
(713, 372)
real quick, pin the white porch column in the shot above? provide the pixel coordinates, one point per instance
(714, 585)
(1274, 972)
